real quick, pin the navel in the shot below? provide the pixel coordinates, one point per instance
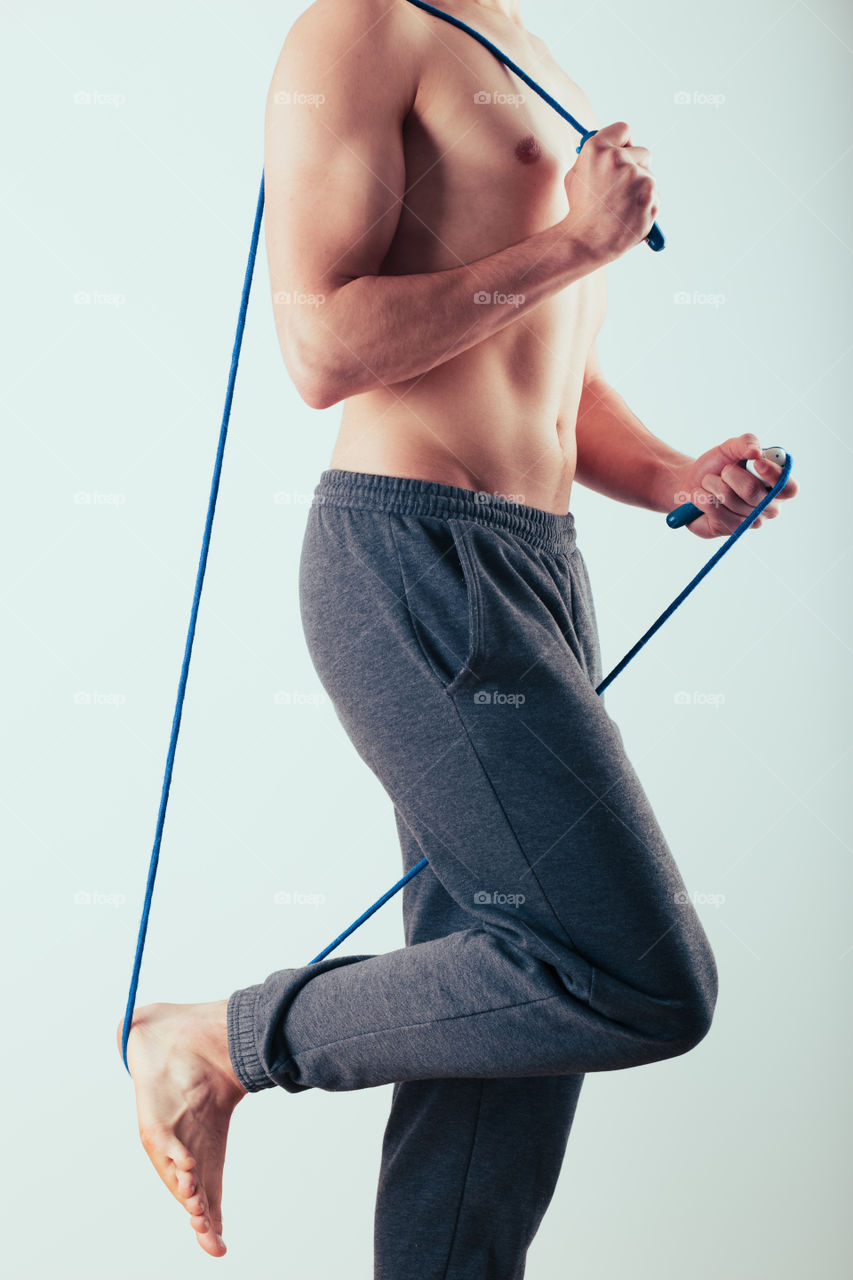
(528, 150)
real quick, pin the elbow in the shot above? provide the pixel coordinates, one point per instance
(318, 381)
(317, 394)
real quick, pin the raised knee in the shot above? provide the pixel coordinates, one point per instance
(692, 1023)
(692, 1014)
(663, 1025)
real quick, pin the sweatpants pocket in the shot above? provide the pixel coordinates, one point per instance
(441, 594)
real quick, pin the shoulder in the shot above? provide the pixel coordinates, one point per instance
(338, 46)
(349, 38)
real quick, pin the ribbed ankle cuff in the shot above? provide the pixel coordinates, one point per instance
(241, 1041)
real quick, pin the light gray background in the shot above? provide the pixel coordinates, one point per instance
(732, 1160)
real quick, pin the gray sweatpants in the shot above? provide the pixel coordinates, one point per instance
(551, 934)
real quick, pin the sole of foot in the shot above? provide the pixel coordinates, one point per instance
(186, 1092)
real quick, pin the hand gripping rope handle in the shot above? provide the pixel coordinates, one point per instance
(655, 238)
(202, 565)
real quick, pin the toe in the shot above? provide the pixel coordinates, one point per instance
(155, 1148)
(187, 1183)
(212, 1243)
(171, 1160)
(196, 1205)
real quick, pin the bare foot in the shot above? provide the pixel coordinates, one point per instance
(185, 1093)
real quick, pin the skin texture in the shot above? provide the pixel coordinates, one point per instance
(406, 178)
(397, 197)
(185, 1094)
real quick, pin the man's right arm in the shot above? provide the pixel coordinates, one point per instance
(335, 180)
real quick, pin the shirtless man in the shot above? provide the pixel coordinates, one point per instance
(437, 253)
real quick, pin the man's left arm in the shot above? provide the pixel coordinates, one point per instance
(620, 458)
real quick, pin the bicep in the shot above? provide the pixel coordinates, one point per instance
(333, 146)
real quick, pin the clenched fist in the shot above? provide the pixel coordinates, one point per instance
(613, 200)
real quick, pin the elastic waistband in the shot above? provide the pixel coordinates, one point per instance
(368, 492)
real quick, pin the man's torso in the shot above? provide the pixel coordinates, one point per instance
(486, 160)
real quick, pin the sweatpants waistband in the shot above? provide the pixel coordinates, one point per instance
(362, 490)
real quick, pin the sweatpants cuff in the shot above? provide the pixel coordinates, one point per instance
(242, 1049)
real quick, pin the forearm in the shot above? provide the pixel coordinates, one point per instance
(619, 457)
(381, 330)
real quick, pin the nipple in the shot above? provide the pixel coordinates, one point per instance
(528, 150)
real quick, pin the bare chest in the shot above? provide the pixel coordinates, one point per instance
(486, 157)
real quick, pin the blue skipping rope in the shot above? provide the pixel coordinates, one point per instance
(683, 516)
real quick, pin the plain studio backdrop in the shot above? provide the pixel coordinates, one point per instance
(133, 151)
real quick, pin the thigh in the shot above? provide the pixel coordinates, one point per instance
(493, 745)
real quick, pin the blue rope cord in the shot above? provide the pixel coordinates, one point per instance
(380, 902)
(715, 558)
(185, 668)
(214, 491)
(502, 57)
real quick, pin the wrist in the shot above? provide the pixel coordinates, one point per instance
(577, 253)
(671, 481)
